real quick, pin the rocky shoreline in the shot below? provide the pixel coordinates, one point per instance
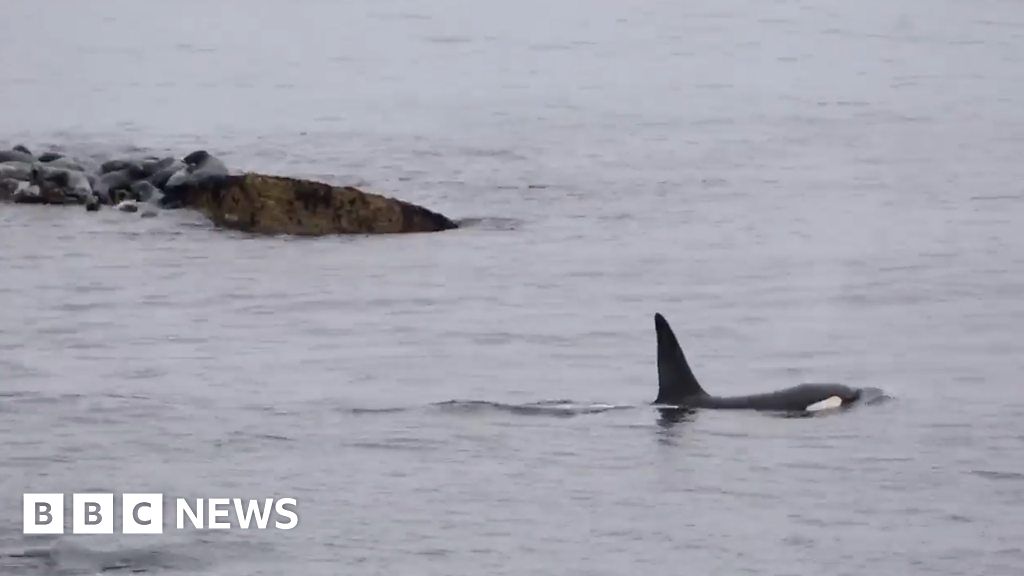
(249, 202)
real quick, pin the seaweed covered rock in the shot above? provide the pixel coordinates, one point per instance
(249, 202)
(277, 205)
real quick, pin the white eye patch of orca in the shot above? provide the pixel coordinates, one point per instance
(826, 404)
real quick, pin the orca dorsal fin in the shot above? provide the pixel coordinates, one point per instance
(675, 379)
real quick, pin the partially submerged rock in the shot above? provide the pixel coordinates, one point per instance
(16, 154)
(8, 187)
(16, 170)
(199, 167)
(163, 174)
(72, 183)
(277, 205)
(249, 202)
(128, 206)
(143, 191)
(28, 194)
(65, 163)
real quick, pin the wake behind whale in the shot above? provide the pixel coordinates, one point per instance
(678, 392)
(555, 408)
(563, 408)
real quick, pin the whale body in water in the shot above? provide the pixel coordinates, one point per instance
(677, 386)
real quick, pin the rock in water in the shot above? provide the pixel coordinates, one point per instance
(161, 176)
(112, 182)
(199, 168)
(15, 155)
(176, 180)
(16, 170)
(148, 214)
(28, 194)
(8, 186)
(73, 183)
(92, 204)
(119, 165)
(151, 166)
(128, 206)
(143, 191)
(50, 156)
(39, 190)
(65, 163)
(204, 167)
(276, 205)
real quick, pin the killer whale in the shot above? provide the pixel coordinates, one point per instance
(677, 386)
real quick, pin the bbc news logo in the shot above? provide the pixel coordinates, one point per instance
(94, 513)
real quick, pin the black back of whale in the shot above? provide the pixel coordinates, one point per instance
(678, 386)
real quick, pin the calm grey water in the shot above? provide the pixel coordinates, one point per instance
(810, 191)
